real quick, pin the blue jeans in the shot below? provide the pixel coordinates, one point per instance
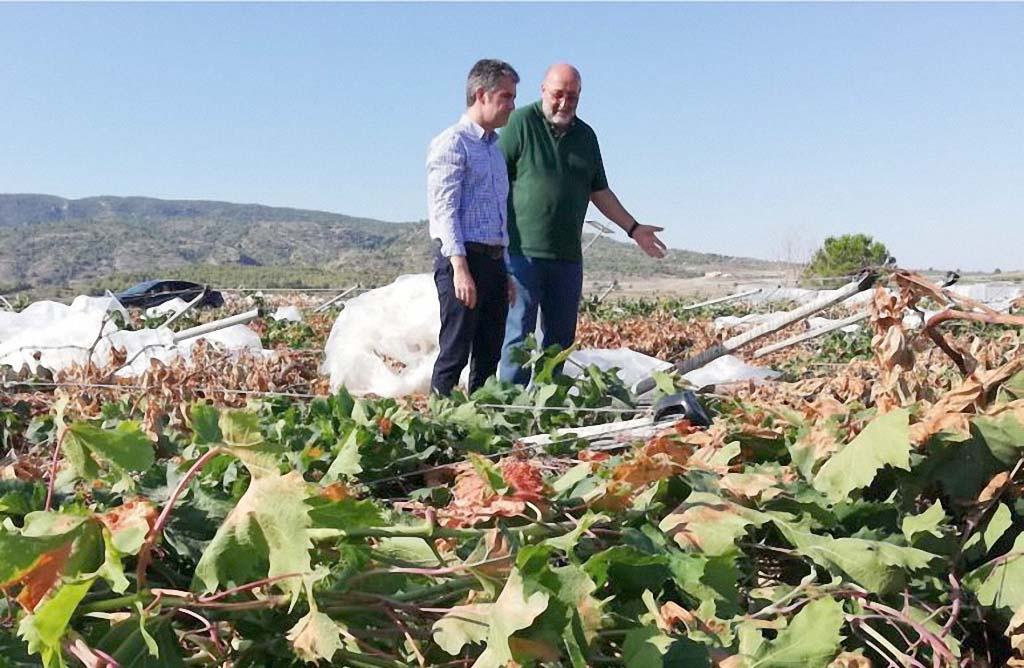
(552, 286)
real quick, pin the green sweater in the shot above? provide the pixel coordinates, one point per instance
(551, 179)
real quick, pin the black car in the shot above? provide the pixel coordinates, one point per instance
(154, 293)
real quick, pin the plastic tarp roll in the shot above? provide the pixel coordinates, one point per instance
(728, 369)
(385, 340)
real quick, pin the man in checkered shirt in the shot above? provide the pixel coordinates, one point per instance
(467, 195)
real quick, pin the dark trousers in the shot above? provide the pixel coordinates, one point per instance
(465, 332)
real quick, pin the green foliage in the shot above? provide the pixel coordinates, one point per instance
(290, 335)
(884, 442)
(89, 448)
(266, 535)
(811, 639)
(846, 255)
(128, 643)
(319, 532)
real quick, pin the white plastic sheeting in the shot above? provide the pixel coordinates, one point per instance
(633, 366)
(997, 294)
(728, 369)
(743, 322)
(54, 336)
(817, 322)
(385, 343)
(778, 294)
(169, 307)
(290, 313)
(385, 340)
(989, 293)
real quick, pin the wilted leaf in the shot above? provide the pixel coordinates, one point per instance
(474, 500)
(316, 636)
(709, 524)
(850, 660)
(513, 611)
(994, 486)
(462, 625)
(814, 445)
(129, 523)
(244, 439)
(44, 576)
(266, 535)
(884, 441)
(672, 613)
(750, 485)
(44, 628)
(38, 556)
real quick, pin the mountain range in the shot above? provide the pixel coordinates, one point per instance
(49, 242)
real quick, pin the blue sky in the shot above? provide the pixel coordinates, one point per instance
(745, 129)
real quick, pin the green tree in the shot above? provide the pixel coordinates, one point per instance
(846, 255)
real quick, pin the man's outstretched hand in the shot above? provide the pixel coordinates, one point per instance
(646, 238)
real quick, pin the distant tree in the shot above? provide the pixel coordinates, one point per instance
(846, 255)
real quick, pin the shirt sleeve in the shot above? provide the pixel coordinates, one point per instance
(446, 168)
(599, 180)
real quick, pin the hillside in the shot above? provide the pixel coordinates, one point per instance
(49, 242)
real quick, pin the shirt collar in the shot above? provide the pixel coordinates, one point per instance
(476, 130)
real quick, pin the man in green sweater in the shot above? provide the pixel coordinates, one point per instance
(555, 171)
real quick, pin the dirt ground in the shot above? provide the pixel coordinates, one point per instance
(719, 283)
(710, 286)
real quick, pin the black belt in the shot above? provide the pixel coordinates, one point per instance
(493, 252)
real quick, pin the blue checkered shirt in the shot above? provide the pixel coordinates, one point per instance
(467, 188)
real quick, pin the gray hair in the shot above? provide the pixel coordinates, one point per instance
(487, 74)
